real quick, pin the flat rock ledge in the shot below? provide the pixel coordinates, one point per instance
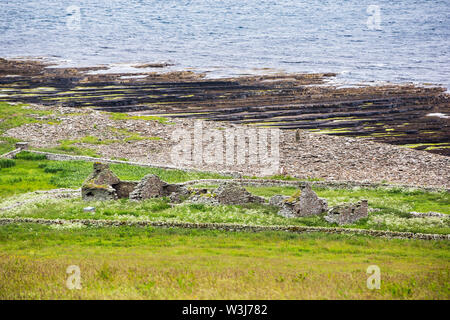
(229, 227)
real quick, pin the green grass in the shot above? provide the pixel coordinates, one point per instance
(68, 147)
(37, 174)
(151, 263)
(93, 140)
(7, 144)
(7, 163)
(124, 116)
(26, 155)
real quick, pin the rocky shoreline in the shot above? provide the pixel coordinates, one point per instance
(165, 108)
(416, 116)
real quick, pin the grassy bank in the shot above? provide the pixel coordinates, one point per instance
(150, 263)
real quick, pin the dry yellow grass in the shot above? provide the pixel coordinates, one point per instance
(138, 263)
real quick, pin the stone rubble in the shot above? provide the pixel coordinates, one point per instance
(428, 214)
(348, 213)
(230, 193)
(151, 186)
(305, 204)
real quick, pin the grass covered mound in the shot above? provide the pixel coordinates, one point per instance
(153, 263)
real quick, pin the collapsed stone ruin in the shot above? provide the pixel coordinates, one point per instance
(348, 213)
(303, 204)
(151, 186)
(102, 185)
(228, 193)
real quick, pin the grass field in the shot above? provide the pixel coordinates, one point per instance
(149, 263)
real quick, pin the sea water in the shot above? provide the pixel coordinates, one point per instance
(362, 40)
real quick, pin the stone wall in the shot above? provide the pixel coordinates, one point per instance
(20, 146)
(230, 227)
(319, 184)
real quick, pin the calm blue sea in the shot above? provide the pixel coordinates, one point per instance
(374, 40)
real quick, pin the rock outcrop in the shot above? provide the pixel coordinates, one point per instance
(348, 213)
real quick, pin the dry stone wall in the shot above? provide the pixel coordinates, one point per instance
(231, 227)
